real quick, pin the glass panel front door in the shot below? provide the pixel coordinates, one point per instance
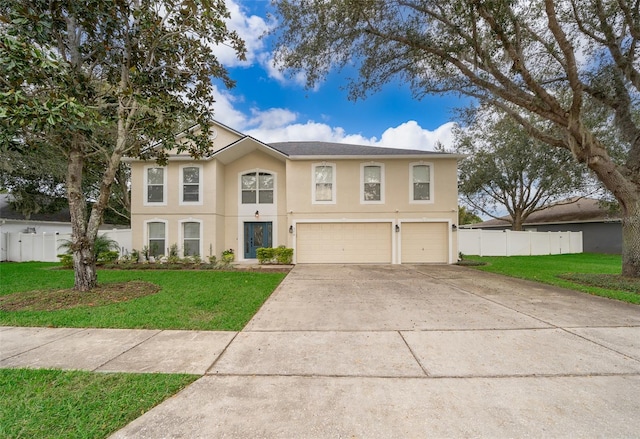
(256, 235)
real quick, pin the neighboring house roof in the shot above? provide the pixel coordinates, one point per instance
(62, 216)
(328, 149)
(566, 211)
(7, 213)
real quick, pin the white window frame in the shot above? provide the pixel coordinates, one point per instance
(333, 183)
(257, 172)
(181, 234)
(166, 233)
(412, 199)
(362, 183)
(200, 185)
(146, 186)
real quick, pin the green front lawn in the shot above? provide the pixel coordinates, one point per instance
(187, 299)
(597, 274)
(62, 404)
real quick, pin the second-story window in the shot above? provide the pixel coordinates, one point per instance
(421, 183)
(155, 185)
(324, 183)
(191, 184)
(257, 188)
(372, 190)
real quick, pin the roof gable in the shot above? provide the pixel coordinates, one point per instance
(242, 147)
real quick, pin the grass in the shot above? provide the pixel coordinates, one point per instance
(56, 404)
(199, 300)
(597, 274)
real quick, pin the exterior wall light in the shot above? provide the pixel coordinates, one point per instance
(397, 228)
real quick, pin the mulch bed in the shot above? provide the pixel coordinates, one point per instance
(53, 300)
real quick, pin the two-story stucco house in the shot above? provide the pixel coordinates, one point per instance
(331, 203)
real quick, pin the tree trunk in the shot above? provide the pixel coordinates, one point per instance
(84, 264)
(516, 225)
(631, 241)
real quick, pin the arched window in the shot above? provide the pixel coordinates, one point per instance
(257, 188)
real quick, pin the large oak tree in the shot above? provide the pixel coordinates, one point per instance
(97, 80)
(506, 168)
(568, 71)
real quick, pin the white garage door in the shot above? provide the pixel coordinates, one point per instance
(343, 243)
(424, 243)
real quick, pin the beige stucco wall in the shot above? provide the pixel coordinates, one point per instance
(397, 206)
(223, 215)
(237, 213)
(211, 211)
(397, 187)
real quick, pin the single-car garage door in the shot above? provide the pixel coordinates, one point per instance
(424, 243)
(343, 243)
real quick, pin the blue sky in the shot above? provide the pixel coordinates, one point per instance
(272, 107)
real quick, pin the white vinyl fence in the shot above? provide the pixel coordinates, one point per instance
(507, 243)
(22, 247)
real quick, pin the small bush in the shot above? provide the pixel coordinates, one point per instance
(228, 256)
(108, 257)
(265, 255)
(280, 255)
(66, 260)
(284, 256)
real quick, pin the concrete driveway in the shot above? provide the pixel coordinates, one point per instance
(416, 351)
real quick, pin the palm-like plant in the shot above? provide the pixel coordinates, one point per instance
(103, 244)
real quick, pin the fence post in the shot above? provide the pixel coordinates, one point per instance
(507, 243)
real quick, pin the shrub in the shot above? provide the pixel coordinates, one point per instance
(66, 260)
(228, 256)
(279, 255)
(101, 245)
(265, 255)
(108, 257)
(284, 255)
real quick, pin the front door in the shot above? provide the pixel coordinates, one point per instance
(256, 235)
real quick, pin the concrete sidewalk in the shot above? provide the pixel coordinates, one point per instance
(112, 350)
(379, 352)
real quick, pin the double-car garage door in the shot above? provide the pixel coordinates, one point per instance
(371, 242)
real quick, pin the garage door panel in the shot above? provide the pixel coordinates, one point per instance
(425, 243)
(343, 243)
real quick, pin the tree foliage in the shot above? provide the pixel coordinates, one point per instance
(567, 71)
(506, 168)
(94, 81)
(466, 216)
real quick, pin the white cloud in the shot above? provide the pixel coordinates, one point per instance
(250, 28)
(224, 111)
(282, 125)
(408, 135)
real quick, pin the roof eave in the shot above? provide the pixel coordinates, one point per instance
(375, 156)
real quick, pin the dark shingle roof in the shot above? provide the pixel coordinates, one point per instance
(566, 211)
(6, 212)
(343, 149)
